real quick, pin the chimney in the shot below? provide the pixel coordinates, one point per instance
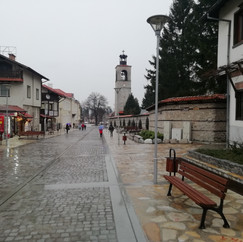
(11, 56)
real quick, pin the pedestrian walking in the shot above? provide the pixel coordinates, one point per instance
(67, 128)
(111, 129)
(101, 127)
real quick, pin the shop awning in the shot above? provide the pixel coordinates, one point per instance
(11, 108)
(45, 116)
(25, 115)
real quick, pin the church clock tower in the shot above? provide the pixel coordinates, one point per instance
(122, 85)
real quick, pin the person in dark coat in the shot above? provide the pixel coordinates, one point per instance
(111, 129)
(67, 128)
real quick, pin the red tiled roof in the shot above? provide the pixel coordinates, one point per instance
(194, 98)
(12, 108)
(189, 99)
(64, 93)
(59, 91)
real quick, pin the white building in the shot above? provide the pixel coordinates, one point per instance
(229, 15)
(69, 109)
(20, 93)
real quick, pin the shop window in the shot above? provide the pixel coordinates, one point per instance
(239, 106)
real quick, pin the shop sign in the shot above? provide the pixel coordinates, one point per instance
(1, 124)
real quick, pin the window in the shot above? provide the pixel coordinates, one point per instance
(4, 91)
(238, 26)
(50, 106)
(28, 92)
(124, 75)
(239, 105)
(37, 94)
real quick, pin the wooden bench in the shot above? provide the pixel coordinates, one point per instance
(31, 133)
(204, 178)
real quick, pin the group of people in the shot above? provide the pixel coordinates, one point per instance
(80, 126)
(83, 127)
(101, 127)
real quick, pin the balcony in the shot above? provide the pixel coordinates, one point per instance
(11, 76)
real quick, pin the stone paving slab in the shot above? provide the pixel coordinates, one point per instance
(176, 218)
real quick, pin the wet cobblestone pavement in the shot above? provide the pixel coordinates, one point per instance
(78, 187)
(62, 189)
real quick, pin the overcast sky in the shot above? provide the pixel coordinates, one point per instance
(76, 43)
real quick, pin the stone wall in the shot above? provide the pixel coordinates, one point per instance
(206, 121)
(126, 118)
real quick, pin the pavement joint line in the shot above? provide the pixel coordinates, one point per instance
(78, 185)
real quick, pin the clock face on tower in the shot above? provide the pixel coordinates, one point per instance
(48, 96)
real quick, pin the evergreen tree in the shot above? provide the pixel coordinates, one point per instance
(132, 106)
(176, 53)
(206, 56)
(188, 52)
(149, 96)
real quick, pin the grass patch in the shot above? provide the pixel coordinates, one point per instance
(233, 155)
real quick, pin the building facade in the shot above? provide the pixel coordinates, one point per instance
(20, 89)
(230, 62)
(122, 84)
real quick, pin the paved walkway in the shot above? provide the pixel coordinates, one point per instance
(169, 219)
(112, 189)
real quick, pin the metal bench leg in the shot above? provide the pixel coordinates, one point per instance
(202, 225)
(169, 191)
(226, 224)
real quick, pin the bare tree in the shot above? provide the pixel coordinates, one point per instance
(97, 104)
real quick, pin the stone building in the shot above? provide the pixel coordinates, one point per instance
(196, 118)
(122, 84)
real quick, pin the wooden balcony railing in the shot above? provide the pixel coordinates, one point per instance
(11, 74)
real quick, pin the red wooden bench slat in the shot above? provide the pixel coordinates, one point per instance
(198, 197)
(206, 173)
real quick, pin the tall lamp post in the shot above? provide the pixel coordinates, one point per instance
(117, 89)
(157, 22)
(7, 86)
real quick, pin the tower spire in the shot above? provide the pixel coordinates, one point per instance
(123, 58)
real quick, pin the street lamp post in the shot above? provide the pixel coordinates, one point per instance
(7, 86)
(117, 89)
(157, 22)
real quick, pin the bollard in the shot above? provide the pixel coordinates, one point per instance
(124, 138)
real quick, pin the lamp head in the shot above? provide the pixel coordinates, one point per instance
(157, 22)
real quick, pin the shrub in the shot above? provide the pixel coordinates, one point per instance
(147, 134)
